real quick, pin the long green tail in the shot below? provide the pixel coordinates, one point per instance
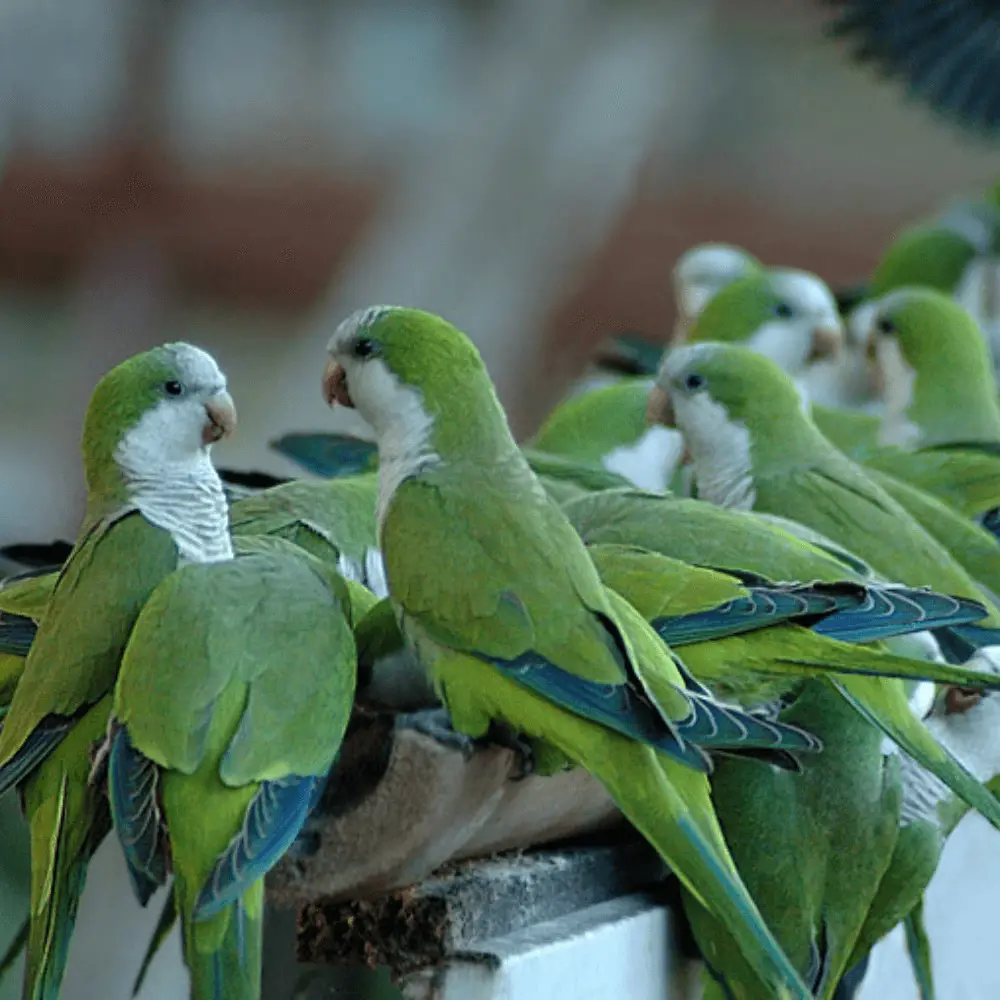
(883, 701)
(69, 819)
(918, 944)
(224, 952)
(655, 795)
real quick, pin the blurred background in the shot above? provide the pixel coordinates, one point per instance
(243, 173)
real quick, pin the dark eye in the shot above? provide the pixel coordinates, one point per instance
(783, 310)
(173, 388)
(694, 382)
(886, 326)
(364, 348)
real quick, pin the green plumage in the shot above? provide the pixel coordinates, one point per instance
(237, 673)
(483, 569)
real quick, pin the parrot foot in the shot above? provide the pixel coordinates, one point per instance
(501, 735)
(436, 724)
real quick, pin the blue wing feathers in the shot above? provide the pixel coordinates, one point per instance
(132, 789)
(273, 818)
(328, 455)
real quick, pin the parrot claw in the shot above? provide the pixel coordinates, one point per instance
(436, 724)
(501, 735)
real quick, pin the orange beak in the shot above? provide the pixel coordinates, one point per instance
(660, 408)
(221, 413)
(826, 342)
(660, 411)
(335, 385)
(959, 700)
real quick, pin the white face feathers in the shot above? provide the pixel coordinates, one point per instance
(703, 270)
(166, 460)
(790, 340)
(396, 411)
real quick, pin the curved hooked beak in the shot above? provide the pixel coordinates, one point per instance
(660, 408)
(221, 412)
(958, 700)
(335, 385)
(827, 340)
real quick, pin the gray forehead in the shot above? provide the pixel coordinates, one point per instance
(804, 289)
(710, 262)
(349, 328)
(196, 367)
(679, 358)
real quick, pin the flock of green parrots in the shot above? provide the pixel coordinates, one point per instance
(726, 656)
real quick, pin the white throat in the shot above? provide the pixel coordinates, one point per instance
(402, 425)
(900, 379)
(183, 496)
(720, 452)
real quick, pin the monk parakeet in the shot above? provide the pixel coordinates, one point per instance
(958, 254)
(154, 502)
(606, 427)
(500, 601)
(753, 446)
(941, 402)
(233, 697)
(966, 723)
(703, 270)
(762, 665)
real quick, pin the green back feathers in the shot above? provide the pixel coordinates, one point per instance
(587, 427)
(926, 255)
(954, 396)
(117, 404)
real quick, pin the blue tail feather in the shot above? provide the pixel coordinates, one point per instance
(845, 611)
(273, 819)
(328, 455)
(132, 790)
(46, 737)
(17, 633)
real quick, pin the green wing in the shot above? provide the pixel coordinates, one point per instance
(100, 592)
(701, 534)
(854, 433)
(507, 577)
(837, 499)
(327, 518)
(977, 550)
(968, 480)
(588, 426)
(29, 596)
(261, 641)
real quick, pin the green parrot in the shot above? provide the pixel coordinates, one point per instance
(942, 414)
(499, 600)
(703, 270)
(956, 254)
(966, 723)
(234, 693)
(607, 427)
(790, 317)
(754, 446)
(154, 501)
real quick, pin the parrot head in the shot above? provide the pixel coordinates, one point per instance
(916, 337)
(414, 377)
(726, 401)
(705, 269)
(787, 315)
(166, 406)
